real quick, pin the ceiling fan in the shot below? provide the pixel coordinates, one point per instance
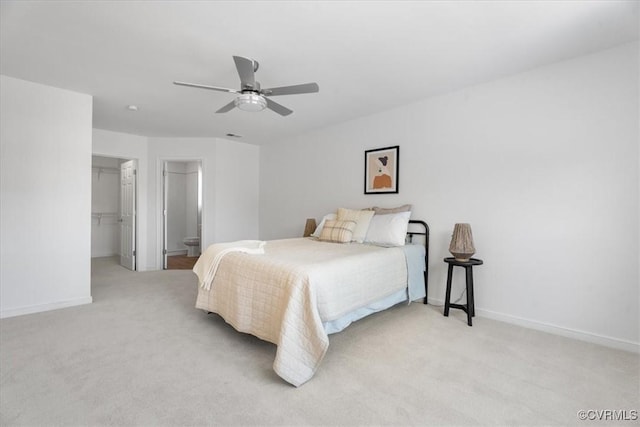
(250, 96)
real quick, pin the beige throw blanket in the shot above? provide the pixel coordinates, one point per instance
(208, 263)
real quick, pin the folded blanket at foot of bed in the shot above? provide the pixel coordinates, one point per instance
(208, 263)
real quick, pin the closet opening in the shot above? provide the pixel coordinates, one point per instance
(113, 209)
(182, 213)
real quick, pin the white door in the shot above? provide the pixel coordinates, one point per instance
(128, 214)
(165, 193)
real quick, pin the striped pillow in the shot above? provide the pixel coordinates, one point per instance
(337, 231)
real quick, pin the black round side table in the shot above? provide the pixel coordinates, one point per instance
(469, 307)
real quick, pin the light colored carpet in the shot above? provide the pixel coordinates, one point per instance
(141, 354)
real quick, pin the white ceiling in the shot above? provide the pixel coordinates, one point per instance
(366, 56)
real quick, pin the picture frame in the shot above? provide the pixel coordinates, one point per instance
(381, 167)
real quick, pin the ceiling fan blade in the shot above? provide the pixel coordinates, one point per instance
(291, 90)
(280, 109)
(230, 106)
(246, 70)
(199, 86)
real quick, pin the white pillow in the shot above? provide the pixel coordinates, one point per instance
(389, 229)
(385, 211)
(361, 218)
(327, 217)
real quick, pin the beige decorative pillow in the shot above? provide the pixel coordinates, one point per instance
(361, 218)
(386, 211)
(337, 231)
(324, 219)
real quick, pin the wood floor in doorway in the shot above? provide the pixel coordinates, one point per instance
(180, 262)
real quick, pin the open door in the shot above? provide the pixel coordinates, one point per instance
(128, 214)
(165, 189)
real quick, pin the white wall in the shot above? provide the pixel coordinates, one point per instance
(543, 164)
(45, 197)
(237, 191)
(230, 185)
(130, 147)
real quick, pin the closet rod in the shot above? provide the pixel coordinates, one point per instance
(104, 169)
(100, 215)
(182, 173)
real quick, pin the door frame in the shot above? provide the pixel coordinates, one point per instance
(135, 200)
(134, 215)
(160, 195)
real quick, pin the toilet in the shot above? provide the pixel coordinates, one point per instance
(193, 246)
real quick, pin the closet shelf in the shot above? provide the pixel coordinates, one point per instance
(100, 215)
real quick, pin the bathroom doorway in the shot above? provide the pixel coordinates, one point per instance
(182, 213)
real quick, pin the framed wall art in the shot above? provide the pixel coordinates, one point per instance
(381, 170)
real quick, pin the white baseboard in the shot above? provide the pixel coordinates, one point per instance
(12, 312)
(176, 252)
(554, 329)
(103, 254)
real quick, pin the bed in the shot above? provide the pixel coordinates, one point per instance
(295, 292)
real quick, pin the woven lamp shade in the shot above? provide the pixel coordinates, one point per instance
(461, 246)
(309, 227)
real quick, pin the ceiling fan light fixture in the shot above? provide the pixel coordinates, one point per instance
(250, 97)
(251, 102)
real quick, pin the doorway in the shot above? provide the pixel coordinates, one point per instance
(113, 209)
(182, 213)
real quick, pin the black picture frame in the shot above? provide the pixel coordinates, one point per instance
(381, 170)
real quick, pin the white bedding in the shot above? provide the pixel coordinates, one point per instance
(284, 295)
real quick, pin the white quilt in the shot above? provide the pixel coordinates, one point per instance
(284, 295)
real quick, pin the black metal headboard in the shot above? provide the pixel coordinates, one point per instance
(423, 232)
